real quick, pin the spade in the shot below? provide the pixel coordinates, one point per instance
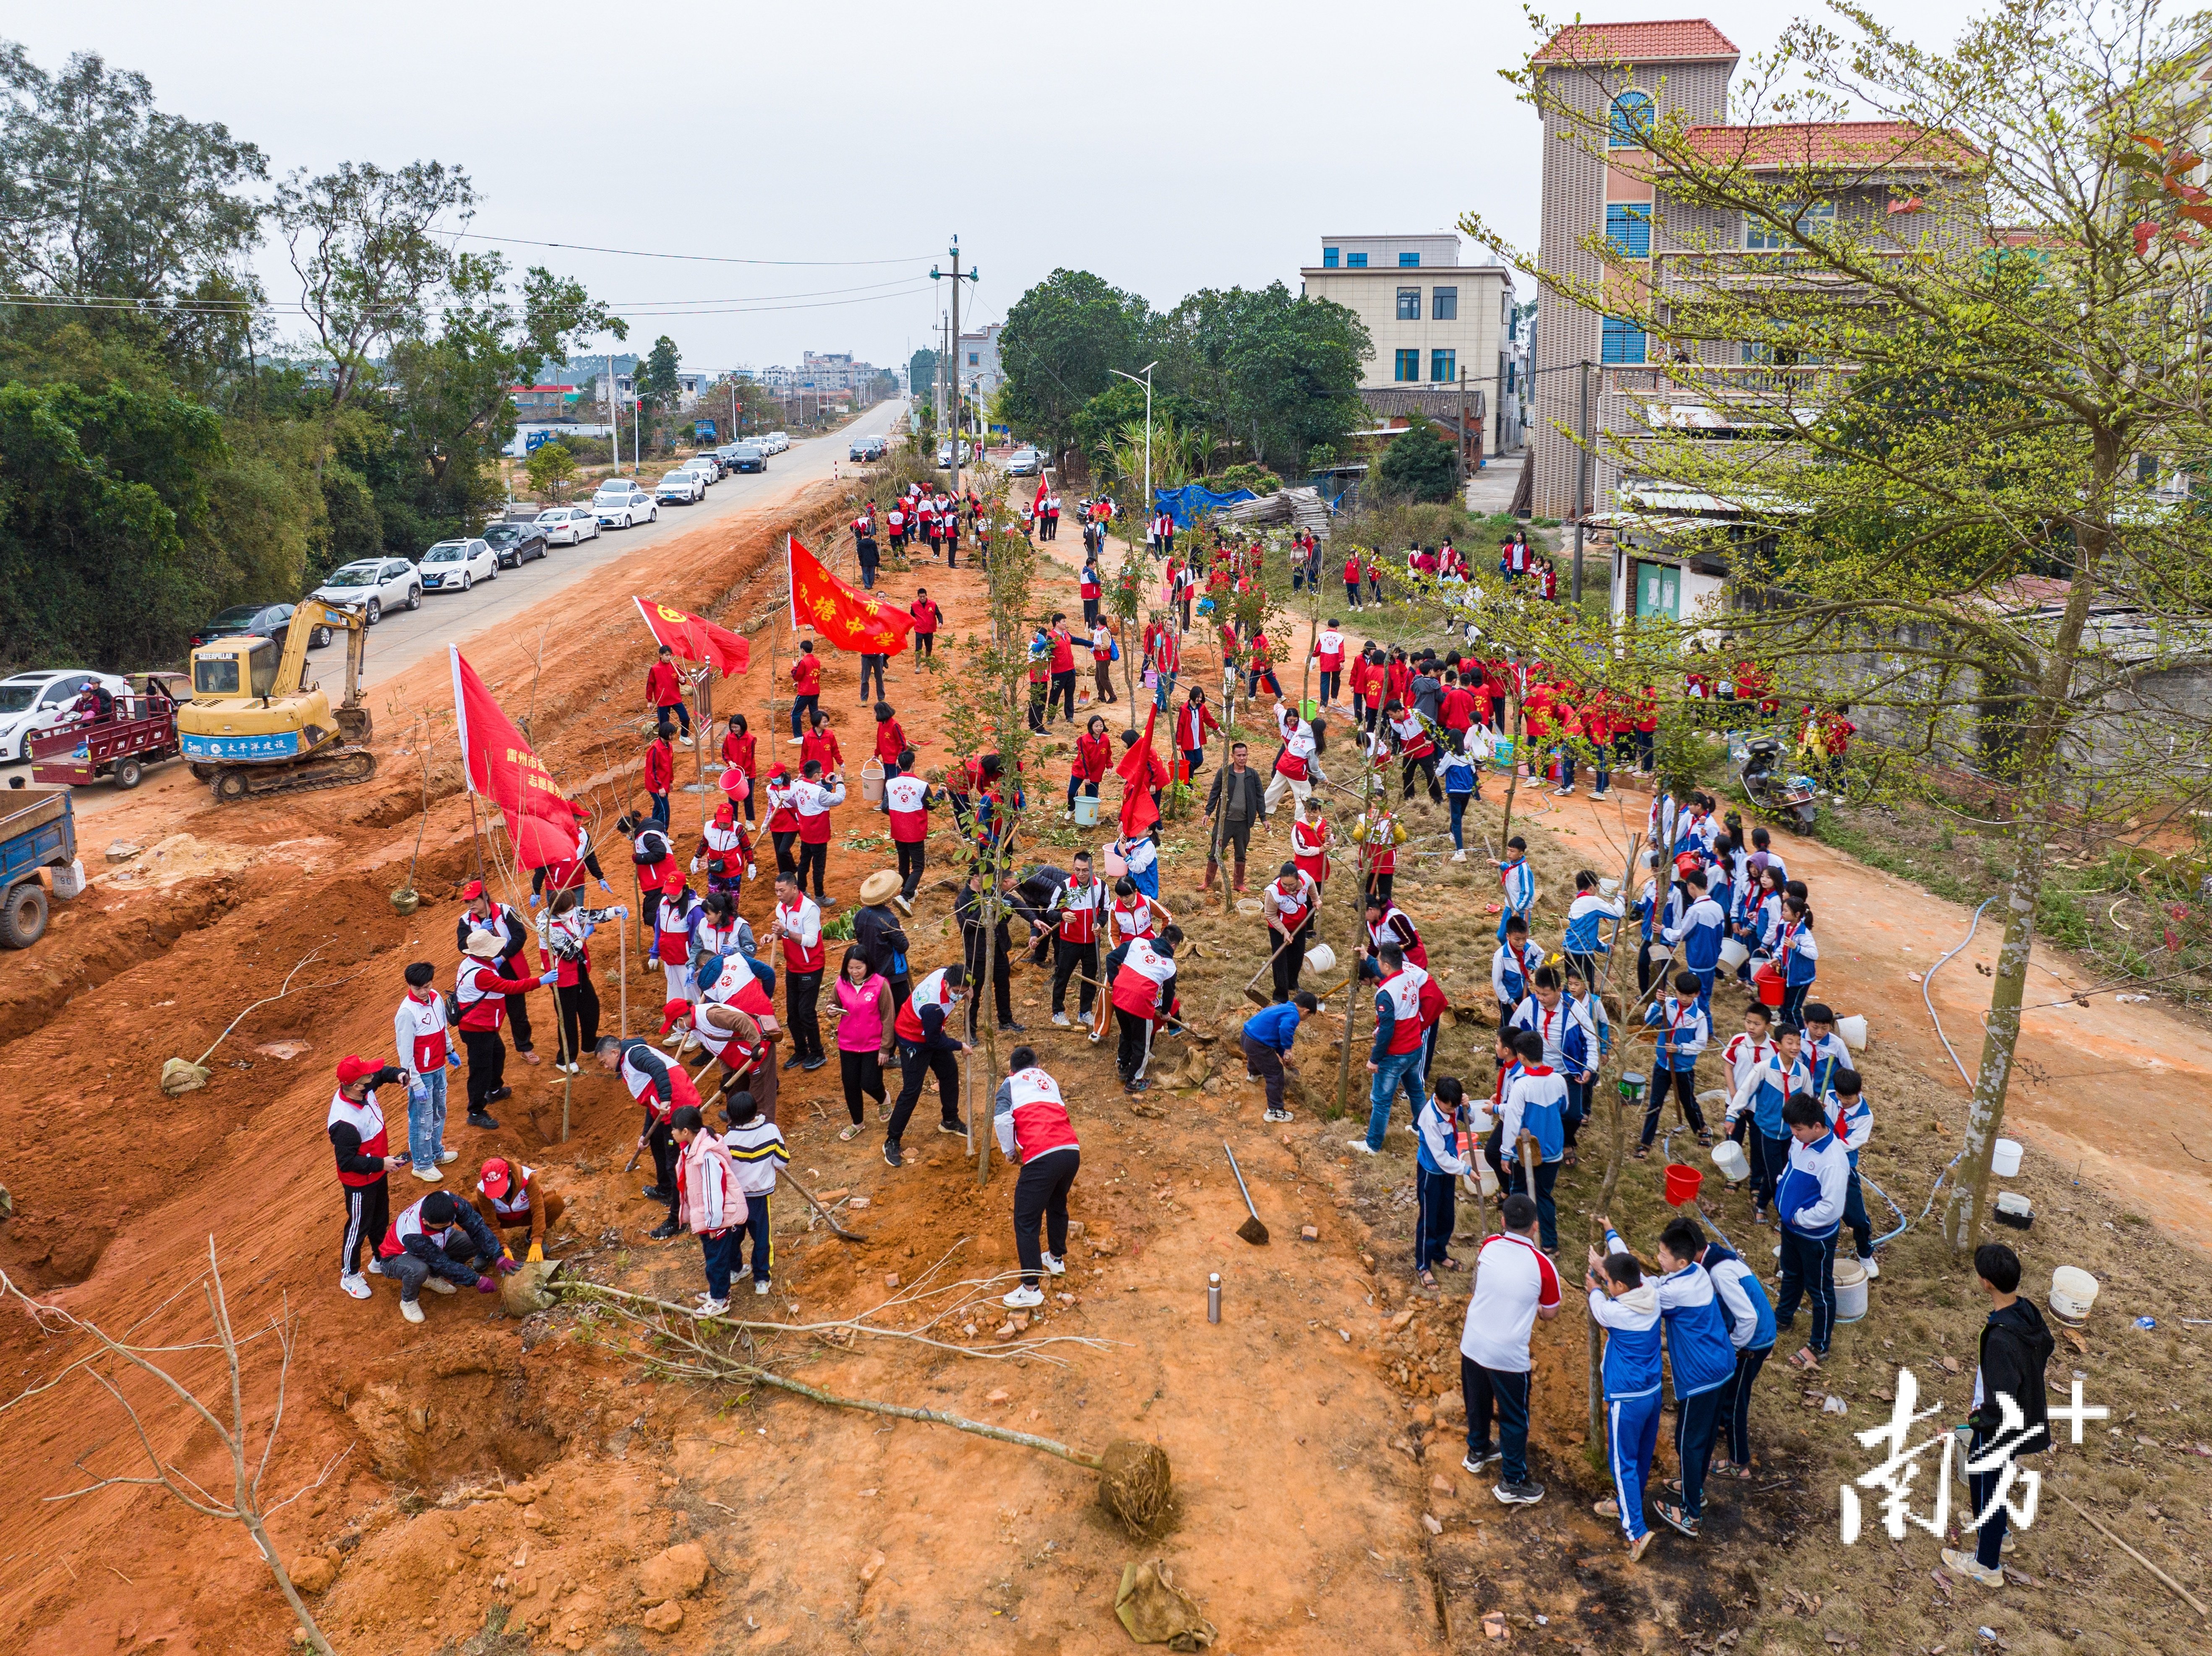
(1251, 1230)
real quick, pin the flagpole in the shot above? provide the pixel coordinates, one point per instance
(468, 779)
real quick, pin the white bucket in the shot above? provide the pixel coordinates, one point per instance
(1853, 1029)
(1734, 953)
(1735, 1165)
(1112, 863)
(2004, 1160)
(1488, 1180)
(1608, 885)
(2073, 1291)
(1086, 810)
(1320, 958)
(1850, 1289)
(872, 781)
(1481, 1122)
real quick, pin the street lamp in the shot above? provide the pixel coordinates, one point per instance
(1146, 382)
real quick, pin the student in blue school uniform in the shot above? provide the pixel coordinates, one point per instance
(1517, 883)
(1825, 1051)
(1761, 923)
(1700, 932)
(1584, 1049)
(1507, 1055)
(1627, 1307)
(1682, 1030)
(1721, 885)
(1751, 1331)
(1798, 954)
(1763, 1091)
(1536, 1104)
(1809, 1202)
(1586, 918)
(1852, 1122)
(1700, 1357)
(1512, 967)
(1439, 1166)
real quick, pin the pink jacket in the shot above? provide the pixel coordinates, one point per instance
(707, 1199)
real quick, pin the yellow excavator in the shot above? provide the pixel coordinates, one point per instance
(256, 725)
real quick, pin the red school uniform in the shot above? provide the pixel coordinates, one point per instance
(806, 675)
(890, 741)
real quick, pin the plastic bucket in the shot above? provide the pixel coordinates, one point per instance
(1735, 1165)
(1853, 1029)
(1768, 980)
(1850, 1289)
(2073, 1291)
(1086, 810)
(1310, 710)
(1682, 1182)
(2004, 1159)
(1488, 1180)
(872, 781)
(1320, 958)
(1113, 863)
(1501, 758)
(1734, 953)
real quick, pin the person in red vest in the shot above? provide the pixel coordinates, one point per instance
(1457, 707)
(1328, 656)
(1261, 668)
(660, 1087)
(1310, 842)
(481, 992)
(1031, 1121)
(660, 771)
(1094, 757)
(927, 617)
(907, 800)
(1077, 907)
(1143, 975)
(813, 799)
(1090, 587)
(1164, 655)
(1063, 668)
(664, 693)
(1194, 722)
(890, 740)
(928, 1047)
(358, 1135)
(726, 850)
(806, 688)
(1102, 647)
(819, 744)
(798, 928)
(740, 752)
(1290, 903)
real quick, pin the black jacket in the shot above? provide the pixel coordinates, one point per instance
(879, 936)
(2016, 1344)
(501, 921)
(1237, 796)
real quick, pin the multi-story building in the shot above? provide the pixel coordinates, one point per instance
(827, 370)
(977, 360)
(1433, 320)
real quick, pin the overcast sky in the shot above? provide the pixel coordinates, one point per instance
(1166, 146)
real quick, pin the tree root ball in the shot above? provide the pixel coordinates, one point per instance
(1135, 1485)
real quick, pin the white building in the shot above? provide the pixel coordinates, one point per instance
(1432, 318)
(977, 360)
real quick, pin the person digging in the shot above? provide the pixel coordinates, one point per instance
(439, 1243)
(509, 1197)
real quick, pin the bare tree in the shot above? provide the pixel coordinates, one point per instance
(109, 1364)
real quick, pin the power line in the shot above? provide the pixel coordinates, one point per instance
(694, 259)
(239, 307)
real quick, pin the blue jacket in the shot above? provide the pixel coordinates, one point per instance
(1773, 1087)
(1682, 1034)
(1631, 1335)
(1700, 931)
(1458, 773)
(1809, 1199)
(1439, 1139)
(1586, 918)
(1799, 952)
(1750, 1312)
(1696, 1333)
(1537, 1099)
(1276, 1027)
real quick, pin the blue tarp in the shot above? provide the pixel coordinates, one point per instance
(1186, 503)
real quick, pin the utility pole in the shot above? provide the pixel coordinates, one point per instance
(1146, 382)
(1462, 434)
(953, 341)
(1581, 480)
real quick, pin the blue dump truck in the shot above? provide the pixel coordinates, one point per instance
(38, 861)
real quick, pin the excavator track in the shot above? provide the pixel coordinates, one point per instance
(337, 768)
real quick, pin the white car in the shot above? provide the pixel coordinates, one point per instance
(382, 584)
(456, 566)
(706, 468)
(565, 525)
(776, 441)
(680, 488)
(621, 503)
(32, 704)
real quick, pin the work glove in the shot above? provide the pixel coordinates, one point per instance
(537, 1255)
(651, 959)
(487, 1285)
(452, 1060)
(507, 1267)
(546, 979)
(608, 890)
(694, 864)
(417, 1092)
(534, 899)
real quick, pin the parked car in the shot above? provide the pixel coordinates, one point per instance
(727, 454)
(867, 448)
(776, 441)
(379, 584)
(679, 489)
(31, 704)
(269, 621)
(750, 457)
(456, 566)
(514, 545)
(708, 470)
(565, 525)
(1024, 462)
(944, 453)
(620, 503)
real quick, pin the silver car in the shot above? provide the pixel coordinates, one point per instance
(378, 584)
(1024, 462)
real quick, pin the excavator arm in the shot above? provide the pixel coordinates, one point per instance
(313, 613)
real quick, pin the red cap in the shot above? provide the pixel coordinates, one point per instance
(351, 1069)
(472, 891)
(495, 1177)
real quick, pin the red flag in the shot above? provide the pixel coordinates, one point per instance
(498, 765)
(696, 638)
(846, 616)
(1036, 507)
(1140, 771)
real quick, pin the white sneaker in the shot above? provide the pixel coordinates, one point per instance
(690, 1042)
(1965, 1563)
(1872, 1268)
(429, 1175)
(1282, 1115)
(411, 1311)
(671, 1040)
(356, 1286)
(1060, 1021)
(904, 904)
(1361, 1145)
(445, 1157)
(1055, 1265)
(712, 1308)
(1022, 1298)
(439, 1285)
(1459, 856)
(375, 1266)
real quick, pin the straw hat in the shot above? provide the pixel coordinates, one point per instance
(880, 887)
(484, 945)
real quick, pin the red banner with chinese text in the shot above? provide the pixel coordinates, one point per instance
(499, 765)
(846, 616)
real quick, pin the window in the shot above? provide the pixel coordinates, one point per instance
(1409, 304)
(975, 358)
(1821, 215)
(1409, 366)
(1356, 262)
(1443, 304)
(1628, 230)
(1328, 258)
(1444, 365)
(1623, 342)
(1631, 123)
(1409, 261)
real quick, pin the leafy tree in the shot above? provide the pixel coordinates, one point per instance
(1061, 340)
(921, 371)
(658, 386)
(1274, 372)
(552, 469)
(1419, 466)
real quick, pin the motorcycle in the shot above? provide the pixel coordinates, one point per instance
(1785, 794)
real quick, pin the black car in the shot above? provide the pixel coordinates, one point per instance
(514, 544)
(269, 621)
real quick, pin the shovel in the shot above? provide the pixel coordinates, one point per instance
(1252, 989)
(1251, 1230)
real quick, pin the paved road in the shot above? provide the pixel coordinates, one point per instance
(403, 638)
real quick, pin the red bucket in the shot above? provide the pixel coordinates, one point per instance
(1682, 1182)
(1768, 980)
(1182, 772)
